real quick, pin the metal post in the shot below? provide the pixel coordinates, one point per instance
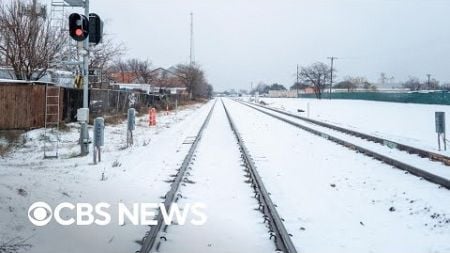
(251, 90)
(445, 142)
(84, 133)
(439, 141)
(308, 109)
(297, 84)
(176, 108)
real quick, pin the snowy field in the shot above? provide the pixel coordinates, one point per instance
(125, 175)
(423, 163)
(412, 124)
(332, 199)
(336, 200)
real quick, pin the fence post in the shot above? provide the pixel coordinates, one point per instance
(118, 100)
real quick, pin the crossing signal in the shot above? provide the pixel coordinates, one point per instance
(95, 28)
(78, 26)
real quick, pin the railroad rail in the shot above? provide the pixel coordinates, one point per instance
(392, 144)
(388, 160)
(148, 242)
(277, 229)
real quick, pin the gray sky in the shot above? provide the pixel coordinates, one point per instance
(240, 41)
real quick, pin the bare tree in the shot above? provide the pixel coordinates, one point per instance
(413, 83)
(141, 69)
(346, 84)
(318, 75)
(359, 81)
(432, 84)
(261, 88)
(201, 89)
(193, 78)
(210, 91)
(120, 67)
(28, 43)
(368, 86)
(104, 56)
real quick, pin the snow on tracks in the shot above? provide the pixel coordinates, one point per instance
(335, 200)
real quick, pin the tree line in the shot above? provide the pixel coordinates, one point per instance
(317, 77)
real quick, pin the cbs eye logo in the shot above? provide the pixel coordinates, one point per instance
(40, 214)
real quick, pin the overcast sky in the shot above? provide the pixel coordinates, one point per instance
(242, 41)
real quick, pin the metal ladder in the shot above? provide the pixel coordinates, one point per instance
(59, 22)
(57, 14)
(52, 118)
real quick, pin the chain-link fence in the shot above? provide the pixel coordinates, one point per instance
(109, 102)
(442, 98)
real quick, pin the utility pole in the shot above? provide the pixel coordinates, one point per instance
(297, 83)
(33, 21)
(428, 81)
(191, 53)
(34, 16)
(84, 133)
(33, 8)
(332, 58)
(251, 90)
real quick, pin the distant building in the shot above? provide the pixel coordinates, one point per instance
(162, 77)
(140, 87)
(124, 77)
(162, 81)
(282, 93)
(308, 90)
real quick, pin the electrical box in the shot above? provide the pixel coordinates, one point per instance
(83, 115)
(440, 122)
(131, 119)
(99, 132)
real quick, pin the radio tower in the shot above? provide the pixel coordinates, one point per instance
(191, 53)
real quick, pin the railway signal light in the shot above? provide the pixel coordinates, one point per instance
(95, 29)
(78, 27)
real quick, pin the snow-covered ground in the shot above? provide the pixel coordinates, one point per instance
(336, 200)
(219, 182)
(434, 167)
(332, 199)
(412, 124)
(125, 175)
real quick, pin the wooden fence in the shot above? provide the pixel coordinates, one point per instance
(22, 105)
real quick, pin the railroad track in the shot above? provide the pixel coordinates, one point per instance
(392, 144)
(277, 231)
(148, 242)
(281, 237)
(377, 155)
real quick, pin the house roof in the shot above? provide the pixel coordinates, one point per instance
(125, 77)
(165, 73)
